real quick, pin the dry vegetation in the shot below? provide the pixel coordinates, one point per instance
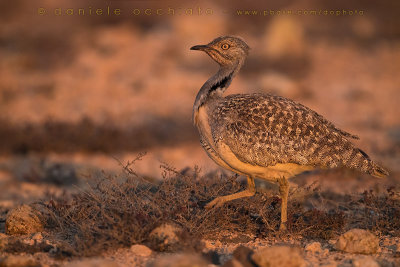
(121, 211)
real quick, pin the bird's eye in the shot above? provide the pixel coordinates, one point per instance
(225, 46)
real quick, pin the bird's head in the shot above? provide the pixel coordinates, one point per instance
(225, 50)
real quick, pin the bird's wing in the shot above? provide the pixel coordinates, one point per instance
(265, 130)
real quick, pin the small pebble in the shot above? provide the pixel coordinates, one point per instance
(279, 256)
(38, 237)
(141, 250)
(314, 247)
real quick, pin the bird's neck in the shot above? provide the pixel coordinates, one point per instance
(215, 86)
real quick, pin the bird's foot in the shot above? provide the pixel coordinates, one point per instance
(218, 202)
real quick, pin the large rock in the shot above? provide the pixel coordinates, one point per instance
(282, 256)
(23, 220)
(358, 241)
(180, 260)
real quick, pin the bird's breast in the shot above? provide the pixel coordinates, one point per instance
(202, 122)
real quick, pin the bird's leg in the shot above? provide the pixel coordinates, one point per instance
(250, 191)
(284, 192)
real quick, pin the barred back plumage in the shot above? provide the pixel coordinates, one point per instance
(265, 136)
(265, 130)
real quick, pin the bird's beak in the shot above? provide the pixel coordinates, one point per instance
(199, 47)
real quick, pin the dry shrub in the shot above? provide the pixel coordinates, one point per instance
(319, 224)
(123, 211)
(379, 213)
(118, 212)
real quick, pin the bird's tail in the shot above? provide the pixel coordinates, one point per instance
(378, 171)
(370, 167)
(359, 160)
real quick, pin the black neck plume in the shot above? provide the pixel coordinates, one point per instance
(216, 85)
(224, 83)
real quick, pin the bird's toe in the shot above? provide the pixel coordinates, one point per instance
(215, 203)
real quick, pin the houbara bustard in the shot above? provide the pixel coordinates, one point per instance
(266, 136)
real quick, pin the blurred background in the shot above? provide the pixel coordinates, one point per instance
(80, 88)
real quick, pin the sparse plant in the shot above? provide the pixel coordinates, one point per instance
(118, 211)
